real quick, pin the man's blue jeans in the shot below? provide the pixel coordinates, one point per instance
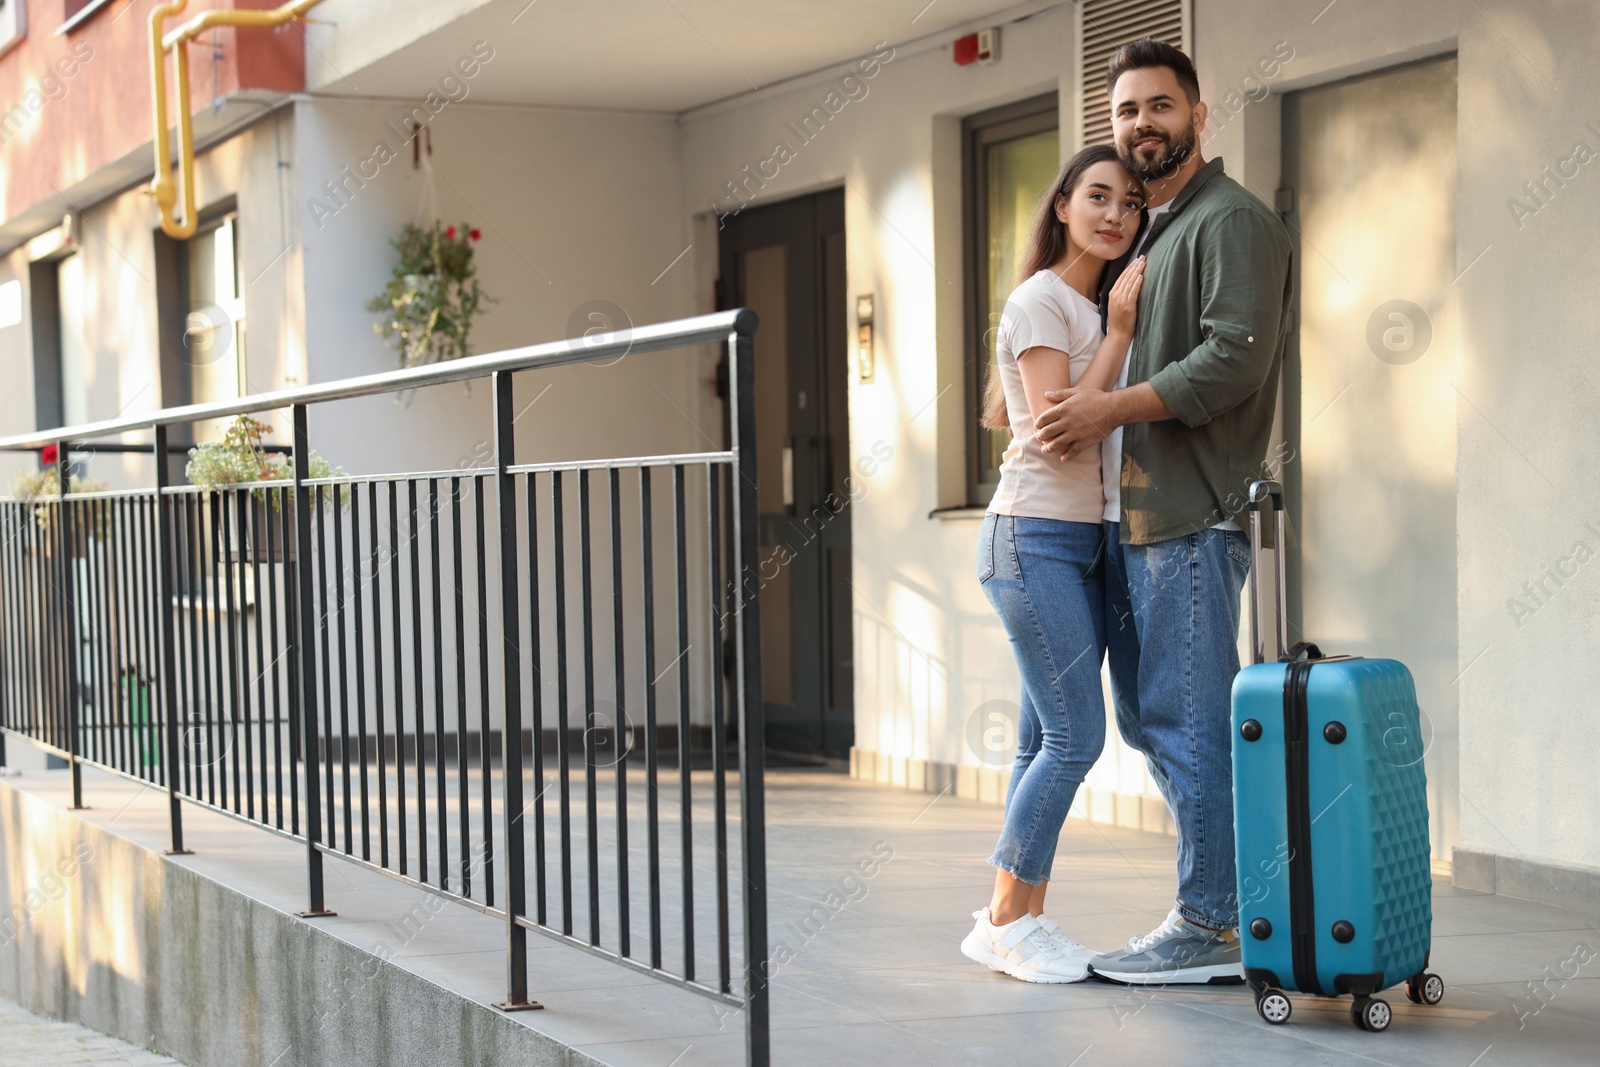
(1172, 635)
(1045, 579)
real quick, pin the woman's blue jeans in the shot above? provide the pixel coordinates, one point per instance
(1046, 580)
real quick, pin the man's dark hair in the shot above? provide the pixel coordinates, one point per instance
(1148, 52)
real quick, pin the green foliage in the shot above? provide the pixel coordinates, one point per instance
(30, 485)
(46, 482)
(239, 459)
(428, 307)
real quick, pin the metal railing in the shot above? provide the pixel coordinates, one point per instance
(343, 661)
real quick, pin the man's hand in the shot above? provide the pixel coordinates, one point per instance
(1081, 419)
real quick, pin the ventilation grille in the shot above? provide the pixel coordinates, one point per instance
(1107, 25)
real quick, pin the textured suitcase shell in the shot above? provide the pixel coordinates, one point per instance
(1367, 802)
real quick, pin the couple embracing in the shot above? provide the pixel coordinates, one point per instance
(1137, 368)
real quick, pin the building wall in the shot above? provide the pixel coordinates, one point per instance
(930, 653)
(1528, 519)
(117, 240)
(73, 104)
(586, 213)
(581, 232)
(932, 664)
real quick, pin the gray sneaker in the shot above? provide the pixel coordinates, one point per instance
(1177, 951)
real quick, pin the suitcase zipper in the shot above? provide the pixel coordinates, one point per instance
(1297, 782)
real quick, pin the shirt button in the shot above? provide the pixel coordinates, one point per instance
(1251, 338)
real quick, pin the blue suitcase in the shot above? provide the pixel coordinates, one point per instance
(1330, 819)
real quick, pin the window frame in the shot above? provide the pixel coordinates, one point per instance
(80, 16)
(19, 28)
(173, 306)
(980, 131)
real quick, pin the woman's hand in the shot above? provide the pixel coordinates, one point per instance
(1123, 303)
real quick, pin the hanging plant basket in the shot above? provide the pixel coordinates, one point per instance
(255, 532)
(43, 486)
(240, 459)
(427, 310)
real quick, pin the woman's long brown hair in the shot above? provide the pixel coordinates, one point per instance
(1047, 243)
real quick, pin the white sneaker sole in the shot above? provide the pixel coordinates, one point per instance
(1220, 974)
(1048, 979)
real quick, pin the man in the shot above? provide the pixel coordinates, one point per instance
(1181, 443)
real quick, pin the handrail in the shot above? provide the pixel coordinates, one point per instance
(272, 638)
(682, 332)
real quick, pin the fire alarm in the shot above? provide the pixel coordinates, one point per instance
(980, 47)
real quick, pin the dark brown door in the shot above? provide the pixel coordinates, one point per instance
(786, 261)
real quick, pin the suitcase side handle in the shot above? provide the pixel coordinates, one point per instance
(1261, 492)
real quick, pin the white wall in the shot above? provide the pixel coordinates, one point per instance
(16, 356)
(116, 240)
(930, 653)
(1526, 385)
(580, 220)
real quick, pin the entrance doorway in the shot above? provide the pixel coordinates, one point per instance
(786, 261)
(1369, 387)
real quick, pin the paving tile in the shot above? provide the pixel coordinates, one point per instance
(29, 1040)
(881, 979)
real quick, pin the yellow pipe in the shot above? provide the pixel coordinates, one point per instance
(161, 186)
(204, 21)
(166, 193)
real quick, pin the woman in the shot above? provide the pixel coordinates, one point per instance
(1040, 550)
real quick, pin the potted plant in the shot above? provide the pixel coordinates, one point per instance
(428, 308)
(39, 486)
(239, 460)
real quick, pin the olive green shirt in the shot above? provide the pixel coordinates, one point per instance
(1213, 318)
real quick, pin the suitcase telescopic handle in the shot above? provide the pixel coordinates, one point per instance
(1261, 492)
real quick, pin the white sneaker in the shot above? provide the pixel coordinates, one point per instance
(1024, 949)
(1073, 948)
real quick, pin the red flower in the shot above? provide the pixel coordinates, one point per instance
(474, 233)
(450, 232)
(48, 455)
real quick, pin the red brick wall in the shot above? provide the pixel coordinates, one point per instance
(71, 104)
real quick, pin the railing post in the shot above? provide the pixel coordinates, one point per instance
(752, 721)
(305, 661)
(515, 861)
(69, 611)
(168, 666)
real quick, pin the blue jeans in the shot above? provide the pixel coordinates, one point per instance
(1045, 579)
(1172, 634)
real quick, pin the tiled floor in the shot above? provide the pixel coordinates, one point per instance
(874, 975)
(26, 1040)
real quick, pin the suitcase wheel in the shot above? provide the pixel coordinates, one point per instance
(1273, 1006)
(1425, 988)
(1371, 1013)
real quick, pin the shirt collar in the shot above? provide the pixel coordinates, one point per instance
(1202, 176)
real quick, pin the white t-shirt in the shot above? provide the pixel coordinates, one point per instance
(1045, 312)
(1111, 447)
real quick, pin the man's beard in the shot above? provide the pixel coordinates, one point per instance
(1165, 163)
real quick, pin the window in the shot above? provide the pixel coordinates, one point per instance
(77, 12)
(13, 24)
(73, 340)
(1011, 154)
(214, 328)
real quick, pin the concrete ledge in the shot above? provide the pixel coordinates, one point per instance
(1133, 811)
(1545, 881)
(102, 931)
